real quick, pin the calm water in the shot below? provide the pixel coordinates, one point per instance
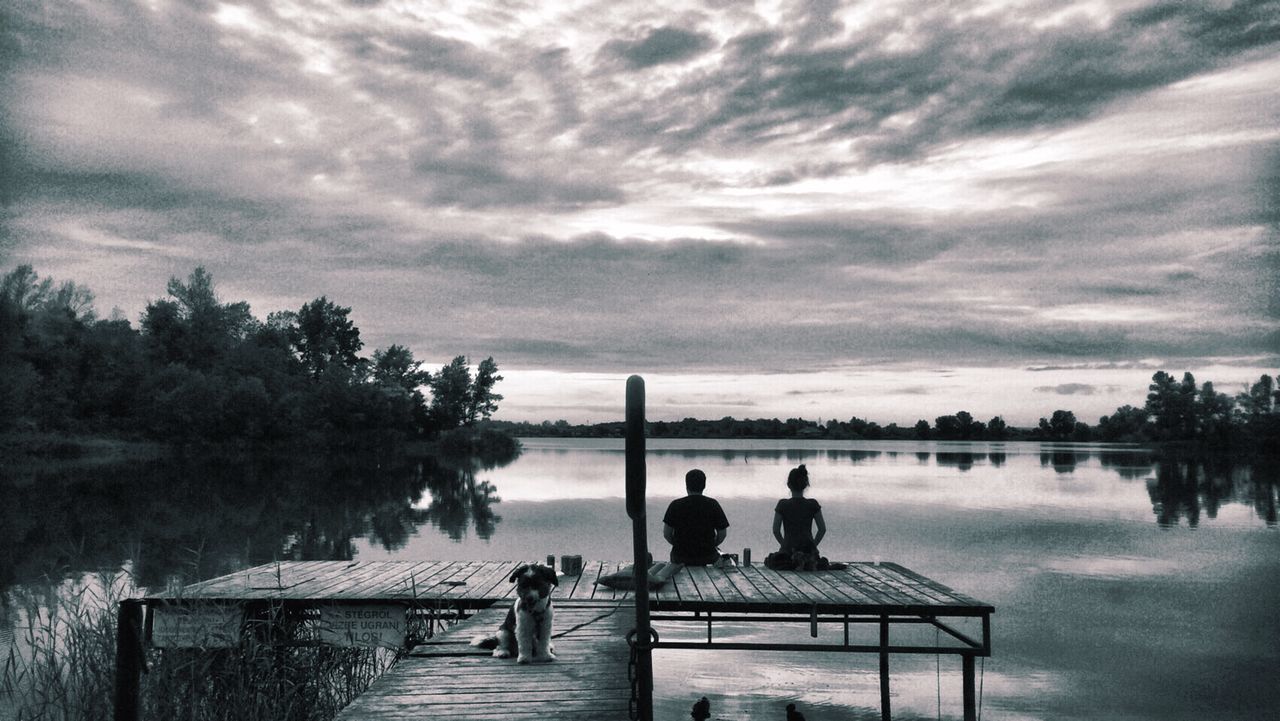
(1126, 586)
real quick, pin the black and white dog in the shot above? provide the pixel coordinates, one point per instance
(526, 632)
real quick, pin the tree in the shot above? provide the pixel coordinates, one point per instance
(24, 290)
(1162, 404)
(967, 427)
(1260, 413)
(165, 331)
(395, 367)
(1059, 427)
(997, 429)
(194, 328)
(27, 293)
(1260, 400)
(451, 394)
(922, 429)
(1186, 407)
(326, 338)
(1126, 424)
(20, 379)
(1213, 415)
(946, 428)
(401, 378)
(483, 401)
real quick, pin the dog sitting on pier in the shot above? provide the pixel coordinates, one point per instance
(526, 632)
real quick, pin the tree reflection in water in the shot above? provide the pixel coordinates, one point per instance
(188, 519)
(1062, 460)
(457, 498)
(1184, 486)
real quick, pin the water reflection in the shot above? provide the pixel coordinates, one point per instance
(962, 460)
(196, 518)
(1129, 464)
(1063, 461)
(1184, 487)
(458, 500)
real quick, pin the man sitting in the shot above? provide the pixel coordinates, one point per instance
(695, 525)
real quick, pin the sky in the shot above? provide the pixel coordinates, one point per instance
(890, 210)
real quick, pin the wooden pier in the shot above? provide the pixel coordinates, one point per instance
(447, 678)
(442, 677)
(605, 635)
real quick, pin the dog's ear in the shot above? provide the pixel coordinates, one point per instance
(517, 572)
(550, 575)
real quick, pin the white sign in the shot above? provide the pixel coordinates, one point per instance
(195, 626)
(365, 626)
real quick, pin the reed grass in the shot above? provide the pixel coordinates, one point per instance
(60, 666)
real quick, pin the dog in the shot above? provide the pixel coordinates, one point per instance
(526, 632)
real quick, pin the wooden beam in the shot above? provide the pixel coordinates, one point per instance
(884, 668)
(970, 711)
(129, 659)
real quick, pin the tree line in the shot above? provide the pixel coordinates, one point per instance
(197, 369)
(1174, 412)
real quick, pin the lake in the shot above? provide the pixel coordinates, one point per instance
(1127, 585)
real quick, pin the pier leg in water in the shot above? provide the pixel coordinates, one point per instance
(970, 712)
(130, 660)
(884, 668)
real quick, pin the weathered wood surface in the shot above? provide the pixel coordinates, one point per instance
(862, 587)
(447, 678)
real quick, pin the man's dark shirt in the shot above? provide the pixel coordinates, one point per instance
(695, 519)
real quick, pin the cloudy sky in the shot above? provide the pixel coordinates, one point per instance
(886, 209)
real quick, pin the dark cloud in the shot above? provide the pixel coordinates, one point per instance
(801, 171)
(1069, 389)
(848, 237)
(1127, 365)
(429, 54)
(658, 46)
(536, 347)
(628, 195)
(485, 180)
(710, 400)
(954, 79)
(1123, 290)
(611, 303)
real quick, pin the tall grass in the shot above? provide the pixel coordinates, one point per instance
(60, 665)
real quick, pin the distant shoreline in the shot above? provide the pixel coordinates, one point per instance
(88, 450)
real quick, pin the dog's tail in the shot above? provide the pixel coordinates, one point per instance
(485, 642)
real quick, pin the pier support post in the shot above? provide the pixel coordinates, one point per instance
(636, 480)
(884, 668)
(129, 660)
(970, 712)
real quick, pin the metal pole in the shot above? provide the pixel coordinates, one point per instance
(129, 659)
(636, 479)
(884, 668)
(970, 711)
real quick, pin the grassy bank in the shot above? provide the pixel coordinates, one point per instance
(38, 447)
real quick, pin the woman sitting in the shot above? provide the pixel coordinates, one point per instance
(794, 518)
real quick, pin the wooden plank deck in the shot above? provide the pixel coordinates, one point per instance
(446, 678)
(861, 588)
